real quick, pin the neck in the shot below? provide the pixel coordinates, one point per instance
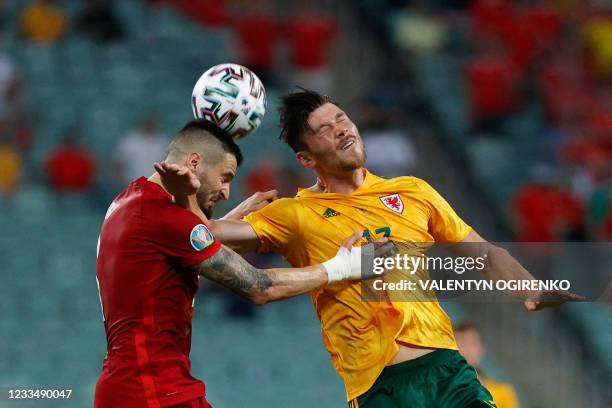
(155, 178)
(342, 183)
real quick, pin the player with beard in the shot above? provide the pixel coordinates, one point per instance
(151, 253)
(389, 353)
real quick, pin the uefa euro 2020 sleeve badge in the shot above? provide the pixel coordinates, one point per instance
(201, 237)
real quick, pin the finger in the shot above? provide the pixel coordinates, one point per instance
(159, 168)
(350, 241)
(175, 168)
(384, 250)
(171, 168)
(269, 195)
(259, 206)
(531, 305)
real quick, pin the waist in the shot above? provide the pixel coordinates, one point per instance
(415, 365)
(408, 353)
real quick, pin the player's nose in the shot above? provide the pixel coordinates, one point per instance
(341, 131)
(225, 191)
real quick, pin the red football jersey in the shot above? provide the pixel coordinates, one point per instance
(147, 296)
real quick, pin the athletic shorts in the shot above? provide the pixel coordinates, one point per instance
(196, 403)
(440, 379)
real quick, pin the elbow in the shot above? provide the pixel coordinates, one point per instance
(261, 299)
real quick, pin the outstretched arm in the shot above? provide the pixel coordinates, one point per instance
(261, 286)
(501, 265)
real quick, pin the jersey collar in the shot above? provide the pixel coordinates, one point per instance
(368, 179)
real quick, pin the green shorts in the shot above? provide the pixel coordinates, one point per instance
(440, 379)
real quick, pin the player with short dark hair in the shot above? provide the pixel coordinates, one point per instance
(389, 353)
(151, 253)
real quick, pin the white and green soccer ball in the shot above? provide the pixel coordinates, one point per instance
(232, 97)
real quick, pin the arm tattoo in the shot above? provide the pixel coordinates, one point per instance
(232, 271)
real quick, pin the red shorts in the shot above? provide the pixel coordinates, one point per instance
(196, 403)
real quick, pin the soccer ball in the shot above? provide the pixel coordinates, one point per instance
(232, 97)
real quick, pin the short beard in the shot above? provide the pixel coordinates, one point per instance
(354, 165)
(208, 211)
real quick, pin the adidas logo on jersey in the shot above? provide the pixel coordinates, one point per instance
(330, 212)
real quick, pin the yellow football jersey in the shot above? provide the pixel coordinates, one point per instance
(360, 336)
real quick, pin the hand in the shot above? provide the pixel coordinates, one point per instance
(550, 298)
(178, 180)
(347, 264)
(255, 202)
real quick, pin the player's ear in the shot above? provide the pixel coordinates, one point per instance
(305, 160)
(193, 160)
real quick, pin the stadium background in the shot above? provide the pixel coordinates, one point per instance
(502, 106)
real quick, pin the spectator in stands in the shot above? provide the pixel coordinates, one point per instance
(598, 35)
(135, 155)
(471, 347)
(44, 21)
(493, 84)
(264, 177)
(98, 21)
(11, 165)
(70, 167)
(565, 83)
(417, 31)
(490, 18)
(18, 116)
(390, 150)
(545, 212)
(258, 33)
(311, 35)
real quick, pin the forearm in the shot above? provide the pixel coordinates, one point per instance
(260, 286)
(288, 282)
(501, 265)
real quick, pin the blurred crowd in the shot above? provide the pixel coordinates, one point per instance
(283, 48)
(555, 55)
(551, 56)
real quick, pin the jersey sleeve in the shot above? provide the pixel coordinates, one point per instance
(444, 223)
(276, 225)
(182, 235)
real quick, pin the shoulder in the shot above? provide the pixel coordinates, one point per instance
(158, 206)
(403, 182)
(286, 205)
(284, 211)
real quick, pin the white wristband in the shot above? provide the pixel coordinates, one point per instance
(345, 265)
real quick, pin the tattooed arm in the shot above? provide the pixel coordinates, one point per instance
(260, 286)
